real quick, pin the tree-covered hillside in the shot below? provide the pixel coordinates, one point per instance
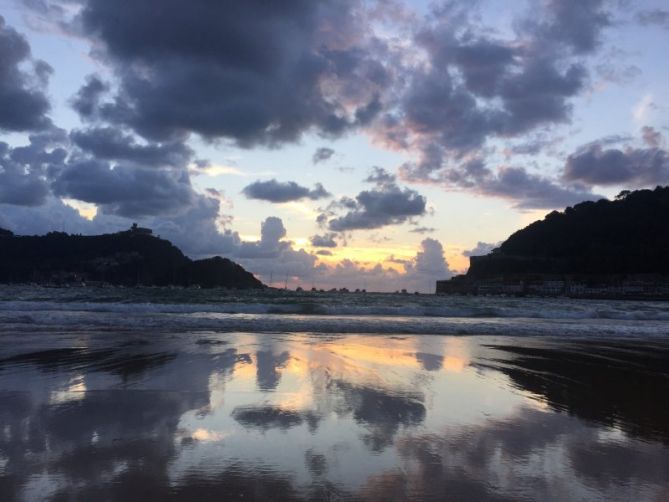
(131, 257)
(627, 235)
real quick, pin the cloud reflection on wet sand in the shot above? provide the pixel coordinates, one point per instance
(304, 417)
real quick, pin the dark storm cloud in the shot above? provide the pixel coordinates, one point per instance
(23, 103)
(322, 154)
(276, 191)
(87, 100)
(532, 88)
(24, 170)
(124, 190)
(386, 205)
(595, 165)
(324, 241)
(253, 71)
(112, 144)
(45, 151)
(475, 87)
(657, 17)
(19, 187)
(447, 114)
(531, 81)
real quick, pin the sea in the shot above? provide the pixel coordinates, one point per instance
(111, 393)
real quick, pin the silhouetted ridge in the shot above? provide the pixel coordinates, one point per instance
(131, 257)
(629, 235)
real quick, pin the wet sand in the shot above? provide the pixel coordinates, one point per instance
(227, 416)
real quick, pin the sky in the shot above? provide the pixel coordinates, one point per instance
(371, 144)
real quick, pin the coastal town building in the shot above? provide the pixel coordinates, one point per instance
(627, 286)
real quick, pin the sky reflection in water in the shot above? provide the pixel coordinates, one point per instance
(296, 416)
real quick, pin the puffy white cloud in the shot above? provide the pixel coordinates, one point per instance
(481, 248)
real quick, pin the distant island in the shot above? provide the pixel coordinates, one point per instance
(132, 257)
(603, 249)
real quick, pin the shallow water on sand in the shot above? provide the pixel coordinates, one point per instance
(141, 403)
(194, 416)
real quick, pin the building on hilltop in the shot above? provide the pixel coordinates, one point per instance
(134, 229)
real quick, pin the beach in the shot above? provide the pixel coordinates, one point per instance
(155, 394)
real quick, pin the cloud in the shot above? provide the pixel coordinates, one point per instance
(324, 241)
(197, 229)
(19, 188)
(531, 191)
(525, 189)
(575, 23)
(24, 169)
(470, 86)
(653, 17)
(111, 144)
(429, 262)
(124, 190)
(322, 154)
(644, 109)
(532, 146)
(270, 244)
(651, 137)
(481, 248)
(386, 204)
(278, 192)
(23, 102)
(193, 70)
(595, 165)
(378, 208)
(508, 87)
(151, 183)
(449, 89)
(422, 230)
(417, 273)
(273, 256)
(50, 215)
(86, 101)
(380, 177)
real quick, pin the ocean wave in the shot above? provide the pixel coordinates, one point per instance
(163, 322)
(476, 310)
